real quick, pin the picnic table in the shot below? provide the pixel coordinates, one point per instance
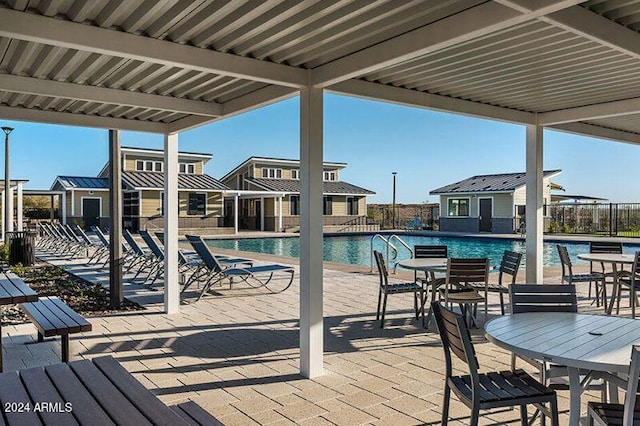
(13, 291)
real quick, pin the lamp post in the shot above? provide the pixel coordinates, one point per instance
(393, 207)
(7, 184)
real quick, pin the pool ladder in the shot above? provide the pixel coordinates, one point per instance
(388, 242)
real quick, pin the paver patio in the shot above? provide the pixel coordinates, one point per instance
(236, 354)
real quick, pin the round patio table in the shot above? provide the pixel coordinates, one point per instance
(428, 265)
(614, 259)
(592, 343)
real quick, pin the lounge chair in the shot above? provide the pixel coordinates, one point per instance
(217, 273)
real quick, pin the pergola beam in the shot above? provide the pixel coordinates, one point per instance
(70, 119)
(591, 112)
(59, 89)
(257, 99)
(593, 131)
(467, 25)
(71, 35)
(398, 95)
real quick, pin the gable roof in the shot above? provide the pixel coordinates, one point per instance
(131, 149)
(155, 180)
(293, 186)
(278, 161)
(81, 182)
(504, 182)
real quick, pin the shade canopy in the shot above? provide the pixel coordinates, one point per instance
(167, 66)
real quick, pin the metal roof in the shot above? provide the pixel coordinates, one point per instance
(273, 160)
(82, 182)
(155, 180)
(166, 66)
(293, 185)
(490, 183)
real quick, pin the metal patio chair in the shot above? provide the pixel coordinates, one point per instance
(508, 266)
(462, 276)
(570, 278)
(603, 247)
(483, 391)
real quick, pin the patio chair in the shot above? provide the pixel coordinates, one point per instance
(570, 278)
(508, 266)
(603, 247)
(525, 298)
(430, 252)
(248, 275)
(387, 288)
(462, 276)
(487, 390)
(631, 282)
(627, 414)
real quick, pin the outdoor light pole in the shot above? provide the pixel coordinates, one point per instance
(393, 207)
(7, 183)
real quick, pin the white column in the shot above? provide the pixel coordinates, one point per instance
(62, 199)
(10, 210)
(262, 213)
(116, 294)
(171, 284)
(19, 218)
(534, 220)
(73, 204)
(280, 213)
(235, 214)
(4, 212)
(311, 285)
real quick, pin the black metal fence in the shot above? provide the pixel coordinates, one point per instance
(407, 216)
(611, 219)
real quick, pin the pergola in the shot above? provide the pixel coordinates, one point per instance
(166, 66)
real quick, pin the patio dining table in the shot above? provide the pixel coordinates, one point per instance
(592, 343)
(430, 266)
(615, 259)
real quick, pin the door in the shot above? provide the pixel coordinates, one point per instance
(228, 213)
(486, 206)
(258, 205)
(91, 212)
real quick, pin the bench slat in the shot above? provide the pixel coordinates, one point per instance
(87, 410)
(42, 323)
(27, 292)
(68, 325)
(107, 395)
(5, 297)
(198, 414)
(73, 315)
(12, 390)
(148, 404)
(41, 390)
(184, 416)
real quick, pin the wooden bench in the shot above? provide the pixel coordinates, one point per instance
(52, 317)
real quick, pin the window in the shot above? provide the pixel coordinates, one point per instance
(197, 204)
(148, 166)
(295, 174)
(157, 166)
(458, 207)
(162, 205)
(188, 168)
(139, 165)
(294, 205)
(352, 206)
(329, 175)
(327, 205)
(272, 173)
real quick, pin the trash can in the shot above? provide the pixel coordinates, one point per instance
(21, 247)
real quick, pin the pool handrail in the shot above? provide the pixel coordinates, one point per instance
(401, 241)
(388, 244)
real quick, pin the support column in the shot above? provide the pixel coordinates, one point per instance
(73, 204)
(280, 214)
(311, 284)
(534, 219)
(19, 199)
(235, 214)
(261, 213)
(171, 284)
(10, 211)
(62, 199)
(4, 215)
(115, 219)
(52, 211)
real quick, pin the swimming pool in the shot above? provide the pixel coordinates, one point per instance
(355, 249)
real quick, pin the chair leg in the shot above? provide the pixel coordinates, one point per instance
(415, 303)
(554, 412)
(475, 415)
(445, 405)
(384, 310)
(502, 303)
(379, 302)
(523, 415)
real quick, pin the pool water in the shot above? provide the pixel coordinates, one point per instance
(356, 249)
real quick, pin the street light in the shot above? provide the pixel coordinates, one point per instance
(7, 184)
(393, 207)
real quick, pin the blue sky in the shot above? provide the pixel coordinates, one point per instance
(428, 149)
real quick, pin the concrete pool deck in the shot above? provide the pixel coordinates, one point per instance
(236, 353)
